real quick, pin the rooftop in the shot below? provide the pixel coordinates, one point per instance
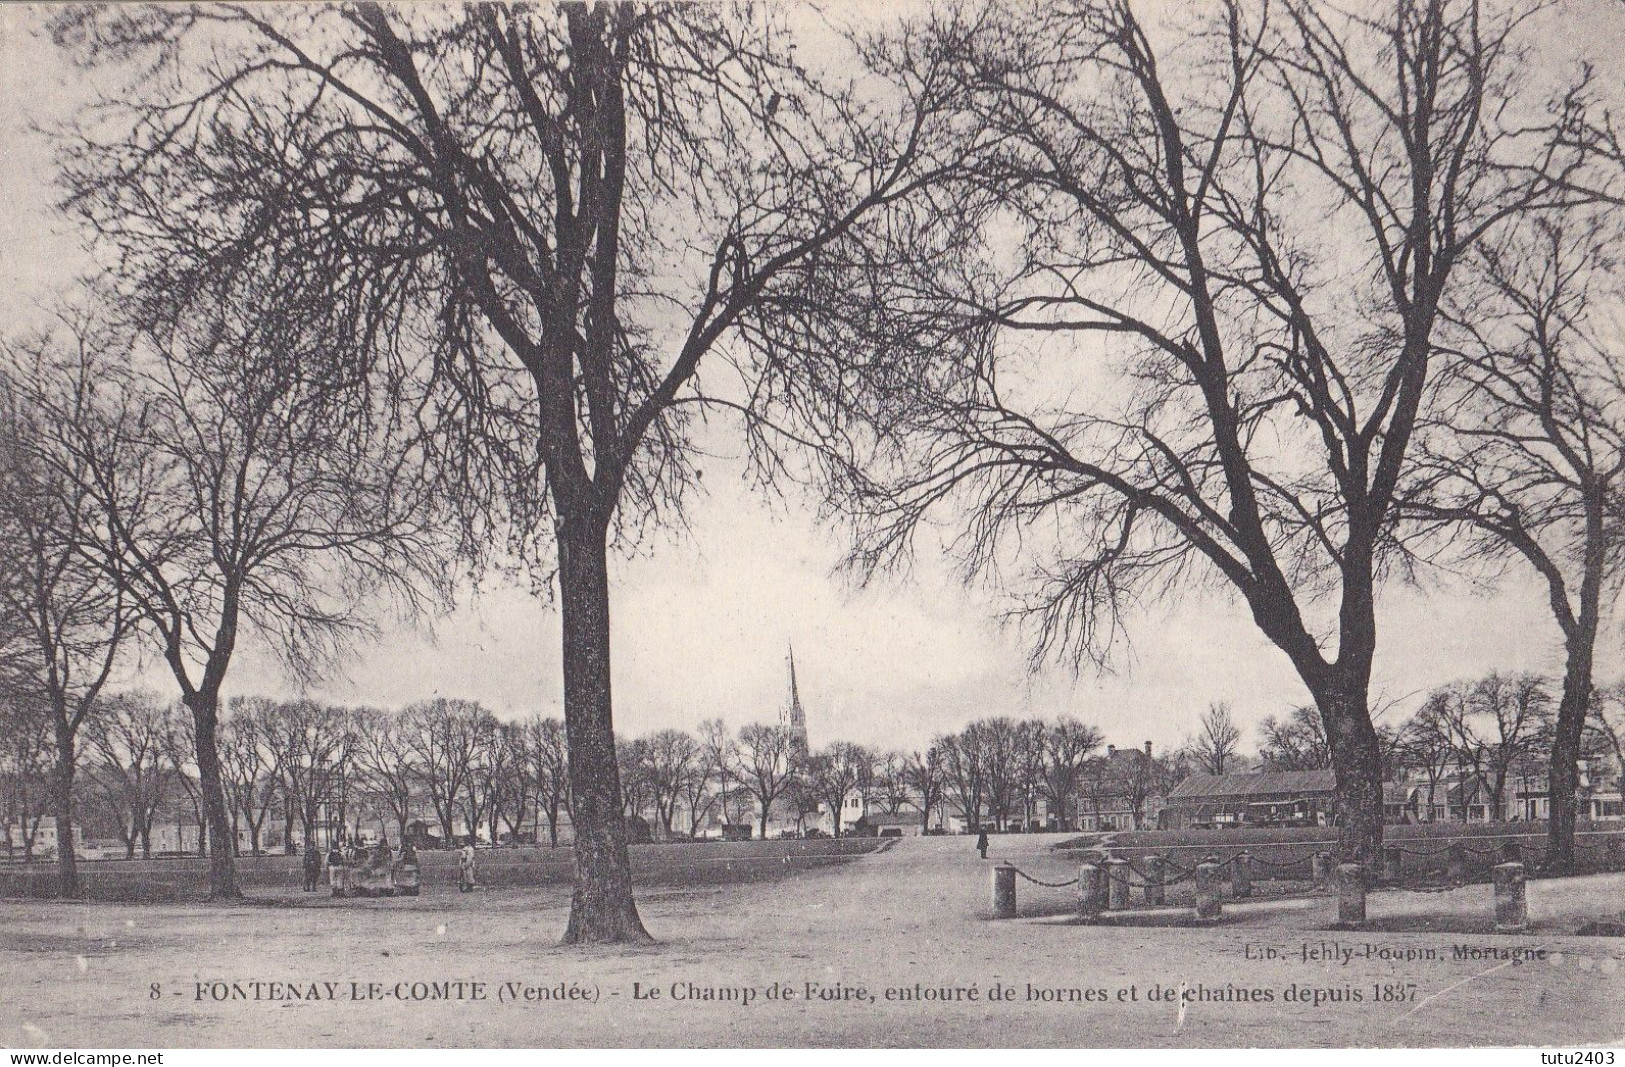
(1260, 783)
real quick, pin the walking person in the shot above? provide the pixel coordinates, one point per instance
(981, 841)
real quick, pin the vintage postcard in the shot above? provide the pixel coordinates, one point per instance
(979, 523)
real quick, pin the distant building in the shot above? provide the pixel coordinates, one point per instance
(881, 824)
(1603, 783)
(1276, 798)
(1123, 791)
(861, 816)
(1263, 798)
(45, 838)
(1525, 794)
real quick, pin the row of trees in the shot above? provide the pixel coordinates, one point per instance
(996, 771)
(305, 766)
(302, 765)
(1286, 297)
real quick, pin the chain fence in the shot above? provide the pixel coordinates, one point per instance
(1416, 865)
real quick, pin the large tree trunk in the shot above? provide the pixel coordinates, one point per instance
(1563, 774)
(205, 709)
(1357, 762)
(202, 828)
(67, 863)
(602, 908)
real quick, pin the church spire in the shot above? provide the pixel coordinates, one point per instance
(795, 717)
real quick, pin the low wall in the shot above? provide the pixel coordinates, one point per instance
(677, 864)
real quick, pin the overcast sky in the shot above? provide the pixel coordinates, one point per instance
(702, 622)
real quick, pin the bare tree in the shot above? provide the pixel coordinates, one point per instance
(698, 797)
(924, 772)
(569, 207)
(248, 764)
(671, 761)
(890, 781)
(25, 767)
(1528, 452)
(312, 744)
(127, 734)
(1498, 723)
(1216, 744)
(1608, 721)
(1003, 751)
(549, 770)
(1430, 747)
(181, 745)
(834, 774)
(499, 779)
(1067, 744)
(964, 773)
(764, 764)
(66, 616)
(635, 786)
(1030, 768)
(1193, 296)
(721, 755)
(385, 765)
(1294, 742)
(446, 738)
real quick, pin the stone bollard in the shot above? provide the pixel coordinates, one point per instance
(1004, 891)
(1091, 894)
(1511, 906)
(1208, 892)
(1320, 870)
(1241, 876)
(1456, 863)
(1117, 884)
(1350, 894)
(1393, 864)
(1153, 881)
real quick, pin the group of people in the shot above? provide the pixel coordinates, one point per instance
(377, 859)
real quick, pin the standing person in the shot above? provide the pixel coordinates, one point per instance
(335, 868)
(313, 866)
(465, 867)
(981, 841)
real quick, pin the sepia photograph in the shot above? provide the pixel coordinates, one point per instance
(790, 524)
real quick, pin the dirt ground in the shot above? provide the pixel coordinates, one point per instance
(893, 948)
